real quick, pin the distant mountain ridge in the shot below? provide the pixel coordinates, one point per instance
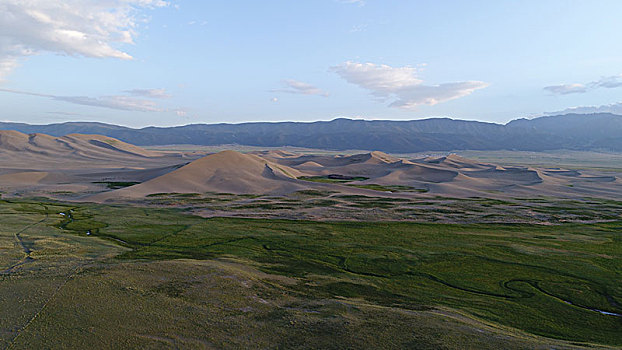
(571, 131)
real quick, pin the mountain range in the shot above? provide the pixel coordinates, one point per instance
(571, 131)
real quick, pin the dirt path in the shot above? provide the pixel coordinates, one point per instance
(68, 278)
(24, 247)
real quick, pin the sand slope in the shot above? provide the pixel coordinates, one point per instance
(22, 150)
(76, 163)
(223, 172)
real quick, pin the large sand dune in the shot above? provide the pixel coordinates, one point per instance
(227, 171)
(86, 145)
(83, 162)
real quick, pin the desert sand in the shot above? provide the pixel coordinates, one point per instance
(99, 168)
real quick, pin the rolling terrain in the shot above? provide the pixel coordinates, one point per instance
(106, 244)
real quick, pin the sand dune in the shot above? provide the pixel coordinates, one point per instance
(110, 144)
(372, 158)
(227, 171)
(309, 164)
(19, 148)
(562, 172)
(92, 162)
(36, 162)
(515, 175)
(416, 173)
(35, 178)
(457, 162)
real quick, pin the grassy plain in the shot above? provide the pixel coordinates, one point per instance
(104, 276)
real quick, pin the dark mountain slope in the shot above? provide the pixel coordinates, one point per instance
(572, 131)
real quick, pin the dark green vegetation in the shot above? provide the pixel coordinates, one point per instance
(390, 188)
(116, 185)
(332, 179)
(295, 283)
(311, 204)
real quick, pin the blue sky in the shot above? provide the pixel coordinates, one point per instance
(156, 62)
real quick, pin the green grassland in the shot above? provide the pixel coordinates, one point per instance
(102, 276)
(313, 204)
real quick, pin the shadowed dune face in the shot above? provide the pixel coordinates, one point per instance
(406, 175)
(519, 176)
(35, 178)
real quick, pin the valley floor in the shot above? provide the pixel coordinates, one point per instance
(79, 275)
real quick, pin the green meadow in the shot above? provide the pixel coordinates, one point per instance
(97, 268)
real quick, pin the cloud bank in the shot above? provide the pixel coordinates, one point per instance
(89, 28)
(566, 89)
(614, 108)
(609, 82)
(401, 84)
(118, 102)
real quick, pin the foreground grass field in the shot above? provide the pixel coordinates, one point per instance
(106, 276)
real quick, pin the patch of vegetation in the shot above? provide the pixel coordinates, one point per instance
(322, 203)
(314, 193)
(114, 185)
(333, 178)
(264, 206)
(175, 194)
(390, 188)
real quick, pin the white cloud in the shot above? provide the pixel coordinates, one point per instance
(124, 103)
(609, 82)
(379, 78)
(401, 84)
(615, 108)
(7, 64)
(356, 2)
(417, 95)
(89, 28)
(118, 102)
(150, 93)
(358, 28)
(566, 89)
(298, 87)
